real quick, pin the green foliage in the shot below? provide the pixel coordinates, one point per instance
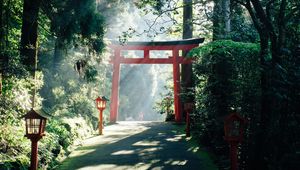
(76, 22)
(15, 98)
(14, 147)
(155, 4)
(71, 100)
(227, 75)
(166, 103)
(242, 29)
(10, 32)
(282, 125)
(90, 74)
(65, 137)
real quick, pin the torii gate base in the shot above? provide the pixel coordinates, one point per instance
(175, 60)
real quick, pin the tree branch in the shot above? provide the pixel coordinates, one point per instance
(255, 20)
(268, 8)
(262, 16)
(281, 24)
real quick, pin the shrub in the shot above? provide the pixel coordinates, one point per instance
(226, 75)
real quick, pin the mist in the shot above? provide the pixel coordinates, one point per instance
(140, 86)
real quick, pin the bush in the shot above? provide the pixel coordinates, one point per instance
(227, 76)
(165, 104)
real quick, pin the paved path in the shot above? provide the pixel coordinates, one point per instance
(137, 145)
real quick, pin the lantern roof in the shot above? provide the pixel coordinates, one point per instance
(235, 116)
(36, 114)
(102, 98)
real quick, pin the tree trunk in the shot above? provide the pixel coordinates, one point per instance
(187, 31)
(282, 25)
(2, 44)
(221, 19)
(270, 103)
(2, 40)
(260, 132)
(218, 18)
(186, 69)
(58, 55)
(226, 11)
(28, 50)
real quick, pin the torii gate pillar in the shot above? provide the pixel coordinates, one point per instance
(176, 82)
(115, 88)
(175, 60)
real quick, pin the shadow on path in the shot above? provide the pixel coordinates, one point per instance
(136, 145)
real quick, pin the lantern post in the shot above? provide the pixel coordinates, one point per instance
(101, 104)
(188, 107)
(234, 130)
(35, 128)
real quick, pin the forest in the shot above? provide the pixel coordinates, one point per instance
(54, 57)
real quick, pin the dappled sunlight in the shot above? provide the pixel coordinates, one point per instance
(141, 166)
(81, 152)
(146, 143)
(161, 134)
(105, 166)
(135, 145)
(175, 162)
(149, 151)
(225, 71)
(178, 162)
(194, 149)
(153, 149)
(115, 133)
(123, 152)
(176, 138)
(154, 161)
(112, 134)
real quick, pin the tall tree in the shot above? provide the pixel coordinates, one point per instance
(270, 19)
(227, 20)
(74, 23)
(28, 49)
(10, 26)
(217, 20)
(187, 32)
(1, 43)
(29, 35)
(3, 58)
(221, 19)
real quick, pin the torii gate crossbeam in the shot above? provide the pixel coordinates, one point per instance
(146, 47)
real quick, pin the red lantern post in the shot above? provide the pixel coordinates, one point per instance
(234, 130)
(35, 128)
(101, 104)
(188, 107)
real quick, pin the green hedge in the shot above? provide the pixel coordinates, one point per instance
(227, 76)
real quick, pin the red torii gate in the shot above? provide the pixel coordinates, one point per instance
(146, 47)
